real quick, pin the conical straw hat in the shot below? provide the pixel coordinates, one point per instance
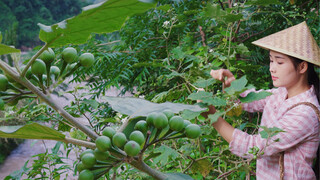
(296, 41)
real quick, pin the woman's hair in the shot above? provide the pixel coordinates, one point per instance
(313, 78)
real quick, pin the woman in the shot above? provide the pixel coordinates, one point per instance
(293, 75)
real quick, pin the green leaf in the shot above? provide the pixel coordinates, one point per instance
(216, 101)
(135, 107)
(30, 131)
(104, 17)
(7, 49)
(188, 115)
(262, 2)
(252, 96)
(270, 132)
(200, 95)
(214, 117)
(237, 85)
(215, 11)
(203, 166)
(232, 17)
(93, 103)
(152, 155)
(0, 36)
(178, 176)
(203, 83)
(167, 153)
(164, 7)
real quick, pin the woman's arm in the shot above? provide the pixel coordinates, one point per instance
(224, 129)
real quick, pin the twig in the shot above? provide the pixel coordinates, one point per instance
(203, 36)
(108, 43)
(255, 34)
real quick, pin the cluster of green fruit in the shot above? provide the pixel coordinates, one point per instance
(43, 72)
(112, 146)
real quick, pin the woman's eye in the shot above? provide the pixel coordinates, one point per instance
(280, 62)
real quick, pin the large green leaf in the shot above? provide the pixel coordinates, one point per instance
(7, 49)
(140, 107)
(238, 85)
(30, 131)
(252, 96)
(107, 16)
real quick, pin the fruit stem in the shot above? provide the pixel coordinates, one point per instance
(72, 71)
(41, 83)
(34, 57)
(80, 142)
(63, 67)
(48, 65)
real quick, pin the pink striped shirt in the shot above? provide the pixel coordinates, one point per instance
(300, 141)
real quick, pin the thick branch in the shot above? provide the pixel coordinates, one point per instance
(142, 166)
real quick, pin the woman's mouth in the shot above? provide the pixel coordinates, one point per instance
(274, 78)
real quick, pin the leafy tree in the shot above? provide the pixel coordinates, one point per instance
(165, 55)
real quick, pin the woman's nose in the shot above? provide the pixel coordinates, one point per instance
(272, 68)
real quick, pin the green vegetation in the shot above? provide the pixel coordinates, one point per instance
(162, 53)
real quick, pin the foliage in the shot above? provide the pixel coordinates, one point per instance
(164, 55)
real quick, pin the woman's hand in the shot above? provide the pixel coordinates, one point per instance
(221, 74)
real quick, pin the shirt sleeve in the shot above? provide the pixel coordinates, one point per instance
(255, 106)
(298, 124)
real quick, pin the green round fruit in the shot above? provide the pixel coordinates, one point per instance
(137, 136)
(103, 143)
(18, 85)
(141, 126)
(161, 121)
(119, 139)
(86, 175)
(71, 66)
(101, 156)
(38, 67)
(85, 152)
(3, 82)
(69, 54)
(1, 104)
(176, 123)
(9, 78)
(109, 132)
(150, 118)
(132, 148)
(47, 56)
(186, 123)
(86, 60)
(28, 73)
(168, 113)
(192, 131)
(80, 167)
(88, 160)
(55, 71)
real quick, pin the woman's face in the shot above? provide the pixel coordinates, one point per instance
(283, 72)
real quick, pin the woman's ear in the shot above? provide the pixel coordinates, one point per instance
(303, 67)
